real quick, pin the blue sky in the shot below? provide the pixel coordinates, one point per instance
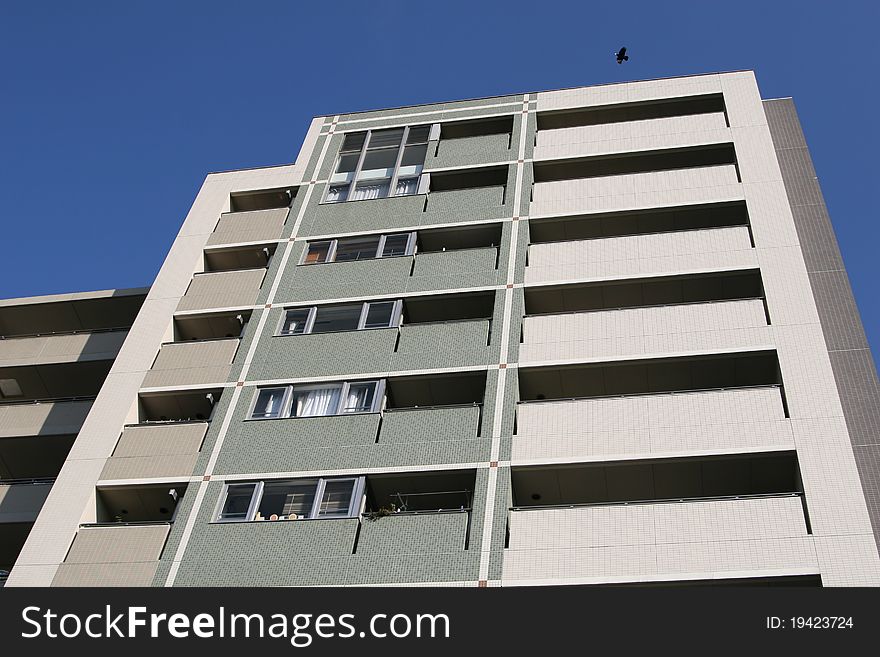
(112, 113)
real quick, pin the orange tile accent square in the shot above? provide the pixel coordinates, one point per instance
(206, 478)
(482, 584)
(268, 305)
(503, 366)
(510, 286)
(493, 464)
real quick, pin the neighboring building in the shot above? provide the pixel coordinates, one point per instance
(593, 336)
(55, 352)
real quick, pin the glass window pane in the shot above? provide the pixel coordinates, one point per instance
(414, 156)
(237, 502)
(317, 252)
(360, 397)
(313, 401)
(295, 321)
(406, 186)
(336, 501)
(337, 193)
(370, 190)
(385, 138)
(353, 141)
(286, 501)
(379, 314)
(357, 248)
(395, 245)
(418, 134)
(347, 163)
(337, 318)
(380, 164)
(269, 402)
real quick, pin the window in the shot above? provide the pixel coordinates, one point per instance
(237, 502)
(379, 163)
(360, 248)
(348, 317)
(303, 499)
(270, 403)
(317, 400)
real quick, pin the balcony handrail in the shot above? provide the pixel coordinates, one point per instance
(423, 512)
(650, 394)
(667, 500)
(230, 271)
(433, 406)
(132, 523)
(648, 305)
(197, 341)
(653, 232)
(46, 334)
(47, 400)
(464, 248)
(286, 207)
(447, 321)
(35, 481)
(152, 423)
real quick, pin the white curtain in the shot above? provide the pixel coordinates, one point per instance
(271, 403)
(365, 191)
(318, 401)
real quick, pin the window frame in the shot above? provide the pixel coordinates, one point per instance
(334, 243)
(286, 402)
(351, 184)
(355, 504)
(394, 322)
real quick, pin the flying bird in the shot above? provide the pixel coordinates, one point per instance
(622, 56)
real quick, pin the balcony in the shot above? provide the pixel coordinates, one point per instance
(156, 450)
(61, 348)
(679, 539)
(629, 136)
(657, 254)
(123, 554)
(43, 418)
(435, 424)
(467, 151)
(414, 533)
(703, 184)
(450, 269)
(635, 426)
(442, 344)
(645, 331)
(246, 227)
(192, 363)
(228, 289)
(22, 499)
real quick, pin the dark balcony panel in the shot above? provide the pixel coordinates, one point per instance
(638, 222)
(630, 163)
(623, 112)
(656, 291)
(649, 376)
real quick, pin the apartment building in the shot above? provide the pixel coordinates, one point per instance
(596, 336)
(55, 352)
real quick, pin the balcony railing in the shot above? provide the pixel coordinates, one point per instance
(463, 151)
(650, 424)
(641, 255)
(227, 289)
(65, 347)
(673, 328)
(430, 423)
(192, 363)
(659, 539)
(156, 450)
(114, 554)
(45, 417)
(22, 499)
(629, 136)
(415, 533)
(465, 205)
(707, 184)
(252, 226)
